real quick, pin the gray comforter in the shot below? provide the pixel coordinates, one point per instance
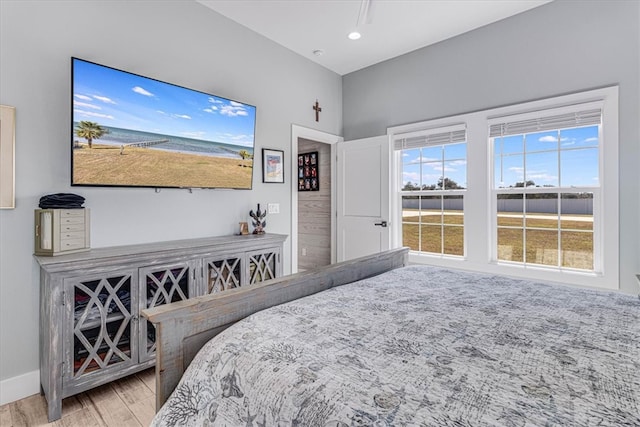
(422, 346)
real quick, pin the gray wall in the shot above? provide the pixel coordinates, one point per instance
(181, 42)
(561, 47)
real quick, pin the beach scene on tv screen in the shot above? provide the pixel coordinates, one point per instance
(130, 130)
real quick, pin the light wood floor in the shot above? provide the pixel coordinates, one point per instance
(126, 402)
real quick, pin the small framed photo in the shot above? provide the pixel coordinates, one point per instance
(244, 228)
(308, 172)
(272, 165)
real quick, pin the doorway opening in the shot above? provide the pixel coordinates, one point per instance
(313, 211)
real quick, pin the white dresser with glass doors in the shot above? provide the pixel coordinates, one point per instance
(91, 331)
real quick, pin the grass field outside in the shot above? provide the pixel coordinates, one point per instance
(544, 239)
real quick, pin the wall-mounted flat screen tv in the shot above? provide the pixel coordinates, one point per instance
(134, 131)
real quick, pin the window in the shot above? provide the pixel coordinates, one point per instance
(546, 176)
(528, 190)
(433, 183)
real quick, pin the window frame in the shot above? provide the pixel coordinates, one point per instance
(442, 193)
(558, 189)
(480, 210)
(597, 227)
(397, 184)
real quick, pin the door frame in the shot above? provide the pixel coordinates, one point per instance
(325, 138)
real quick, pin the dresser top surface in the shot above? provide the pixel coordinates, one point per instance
(222, 243)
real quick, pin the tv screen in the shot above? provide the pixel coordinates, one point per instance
(134, 131)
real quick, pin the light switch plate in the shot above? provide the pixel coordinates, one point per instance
(273, 208)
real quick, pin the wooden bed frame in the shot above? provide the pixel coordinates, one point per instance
(182, 328)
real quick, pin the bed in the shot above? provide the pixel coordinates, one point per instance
(388, 344)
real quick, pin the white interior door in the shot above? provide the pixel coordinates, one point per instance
(363, 197)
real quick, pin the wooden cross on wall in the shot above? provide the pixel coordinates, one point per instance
(318, 109)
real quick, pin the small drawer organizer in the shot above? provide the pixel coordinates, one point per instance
(61, 231)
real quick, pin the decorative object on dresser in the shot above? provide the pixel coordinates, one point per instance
(90, 302)
(244, 228)
(272, 166)
(61, 225)
(258, 220)
(61, 231)
(61, 201)
(308, 176)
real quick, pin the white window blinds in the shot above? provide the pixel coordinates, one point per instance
(426, 137)
(583, 115)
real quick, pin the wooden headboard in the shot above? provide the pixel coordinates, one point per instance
(182, 328)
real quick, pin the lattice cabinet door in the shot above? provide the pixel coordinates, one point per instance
(100, 324)
(263, 265)
(222, 274)
(162, 285)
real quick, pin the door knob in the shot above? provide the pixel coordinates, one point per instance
(381, 224)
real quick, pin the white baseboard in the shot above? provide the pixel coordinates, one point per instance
(19, 387)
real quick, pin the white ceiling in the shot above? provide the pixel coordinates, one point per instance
(394, 27)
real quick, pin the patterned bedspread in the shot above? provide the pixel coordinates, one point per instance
(422, 346)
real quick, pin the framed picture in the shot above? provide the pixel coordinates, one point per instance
(272, 165)
(308, 176)
(244, 228)
(7, 157)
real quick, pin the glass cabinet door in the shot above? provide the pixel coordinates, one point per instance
(158, 286)
(223, 274)
(102, 311)
(263, 265)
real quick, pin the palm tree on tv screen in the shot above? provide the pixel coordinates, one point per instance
(90, 131)
(244, 154)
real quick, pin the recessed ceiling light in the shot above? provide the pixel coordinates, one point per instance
(354, 35)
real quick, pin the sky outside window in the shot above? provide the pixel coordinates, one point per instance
(536, 155)
(426, 166)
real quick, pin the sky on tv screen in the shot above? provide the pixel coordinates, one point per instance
(123, 100)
